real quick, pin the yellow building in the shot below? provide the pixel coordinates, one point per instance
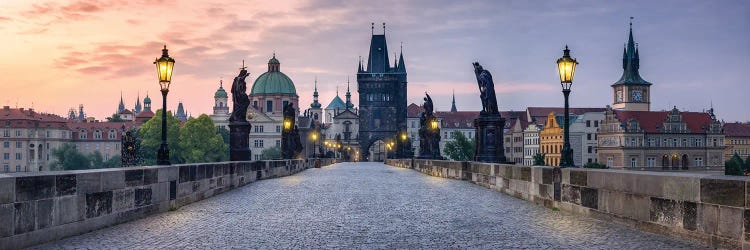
(737, 139)
(551, 140)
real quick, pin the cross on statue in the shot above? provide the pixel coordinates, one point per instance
(243, 65)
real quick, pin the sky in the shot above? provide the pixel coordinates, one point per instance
(58, 54)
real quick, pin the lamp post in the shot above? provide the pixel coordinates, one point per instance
(315, 142)
(164, 66)
(566, 67)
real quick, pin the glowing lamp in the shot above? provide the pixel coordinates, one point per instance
(566, 67)
(164, 66)
(434, 124)
(287, 124)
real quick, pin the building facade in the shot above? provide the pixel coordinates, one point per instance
(737, 140)
(382, 95)
(220, 115)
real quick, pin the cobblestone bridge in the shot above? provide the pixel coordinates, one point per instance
(366, 205)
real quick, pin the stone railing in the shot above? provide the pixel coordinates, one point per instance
(40, 207)
(712, 210)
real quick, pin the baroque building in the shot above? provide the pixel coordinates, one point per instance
(382, 95)
(220, 115)
(631, 92)
(737, 139)
(270, 92)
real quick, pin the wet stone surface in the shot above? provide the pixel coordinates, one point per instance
(366, 205)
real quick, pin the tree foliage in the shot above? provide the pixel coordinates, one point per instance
(734, 166)
(115, 118)
(461, 148)
(595, 165)
(150, 134)
(201, 142)
(68, 158)
(273, 153)
(539, 159)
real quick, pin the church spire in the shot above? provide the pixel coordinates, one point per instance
(631, 62)
(121, 106)
(401, 66)
(453, 104)
(315, 103)
(360, 70)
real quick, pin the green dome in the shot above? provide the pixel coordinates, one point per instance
(273, 59)
(273, 82)
(146, 100)
(220, 93)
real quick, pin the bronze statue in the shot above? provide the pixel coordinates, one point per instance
(486, 89)
(239, 98)
(428, 107)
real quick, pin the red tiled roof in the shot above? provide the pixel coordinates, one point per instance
(413, 110)
(535, 112)
(103, 127)
(459, 119)
(650, 120)
(28, 118)
(145, 114)
(737, 129)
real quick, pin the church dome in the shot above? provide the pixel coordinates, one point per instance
(336, 103)
(220, 93)
(146, 100)
(273, 81)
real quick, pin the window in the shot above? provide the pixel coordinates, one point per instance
(609, 161)
(588, 136)
(82, 134)
(284, 104)
(6, 156)
(19, 144)
(19, 156)
(596, 124)
(684, 142)
(278, 143)
(18, 168)
(633, 162)
(48, 133)
(6, 133)
(258, 129)
(412, 124)
(256, 157)
(699, 162)
(590, 149)
(255, 104)
(258, 143)
(651, 161)
(588, 123)
(278, 128)
(632, 142)
(269, 106)
(6, 144)
(6, 168)
(18, 133)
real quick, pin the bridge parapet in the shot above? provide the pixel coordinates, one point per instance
(711, 209)
(40, 207)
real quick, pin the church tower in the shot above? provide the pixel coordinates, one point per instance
(137, 109)
(631, 92)
(382, 95)
(315, 107)
(220, 116)
(147, 103)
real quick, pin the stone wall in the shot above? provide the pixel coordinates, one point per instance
(40, 207)
(710, 209)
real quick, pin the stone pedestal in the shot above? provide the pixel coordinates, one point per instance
(239, 141)
(489, 139)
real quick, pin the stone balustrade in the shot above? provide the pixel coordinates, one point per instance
(47, 206)
(711, 209)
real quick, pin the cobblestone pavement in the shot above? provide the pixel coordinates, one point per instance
(365, 205)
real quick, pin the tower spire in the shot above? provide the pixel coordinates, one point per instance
(453, 104)
(348, 95)
(315, 103)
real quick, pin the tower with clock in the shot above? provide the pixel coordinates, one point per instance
(631, 92)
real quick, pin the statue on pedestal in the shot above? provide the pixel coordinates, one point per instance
(291, 145)
(429, 131)
(489, 125)
(239, 127)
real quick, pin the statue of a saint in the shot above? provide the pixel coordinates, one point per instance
(486, 89)
(239, 98)
(428, 107)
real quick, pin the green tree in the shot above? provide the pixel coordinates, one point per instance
(201, 142)
(539, 159)
(224, 136)
(150, 135)
(734, 166)
(746, 167)
(96, 159)
(68, 158)
(114, 162)
(273, 153)
(461, 148)
(115, 118)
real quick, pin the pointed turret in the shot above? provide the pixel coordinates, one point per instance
(630, 63)
(181, 114)
(81, 114)
(360, 70)
(121, 106)
(147, 103)
(453, 104)
(315, 103)
(72, 114)
(349, 104)
(401, 66)
(137, 109)
(378, 61)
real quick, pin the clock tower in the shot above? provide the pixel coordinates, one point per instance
(631, 92)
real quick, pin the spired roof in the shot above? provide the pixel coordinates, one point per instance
(378, 61)
(336, 103)
(273, 81)
(221, 93)
(630, 64)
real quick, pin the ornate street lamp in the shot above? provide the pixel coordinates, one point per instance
(566, 67)
(434, 124)
(164, 66)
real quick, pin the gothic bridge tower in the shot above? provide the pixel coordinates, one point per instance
(382, 95)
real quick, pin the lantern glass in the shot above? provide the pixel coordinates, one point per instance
(164, 67)
(287, 124)
(434, 124)
(566, 67)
